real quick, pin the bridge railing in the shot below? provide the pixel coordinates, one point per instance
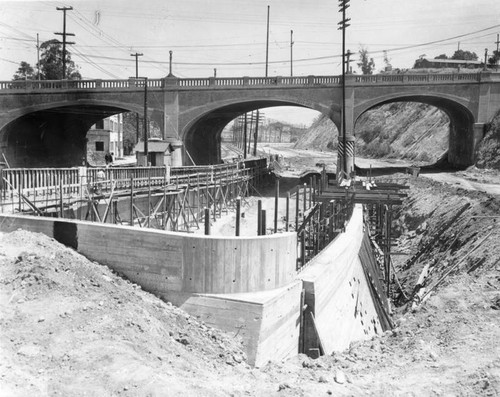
(78, 84)
(302, 81)
(408, 78)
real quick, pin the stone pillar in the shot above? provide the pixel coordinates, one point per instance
(176, 155)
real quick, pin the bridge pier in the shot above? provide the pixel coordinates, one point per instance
(477, 136)
(176, 155)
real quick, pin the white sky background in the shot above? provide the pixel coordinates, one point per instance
(230, 35)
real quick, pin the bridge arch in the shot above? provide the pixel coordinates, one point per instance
(461, 136)
(201, 136)
(53, 134)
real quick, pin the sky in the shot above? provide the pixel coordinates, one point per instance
(230, 35)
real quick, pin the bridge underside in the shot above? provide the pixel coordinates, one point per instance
(51, 138)
(461, 134)
(203, 136)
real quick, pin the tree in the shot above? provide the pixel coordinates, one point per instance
(51, 62)
(366, 63)
(25, 72)
(442, 56)
(495, 59)
(464, 55)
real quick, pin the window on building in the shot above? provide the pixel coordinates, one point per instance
(99, 125)
(99, 146)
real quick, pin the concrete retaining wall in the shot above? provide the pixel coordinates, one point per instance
(268, 322)
(175, 264)
(337, 293)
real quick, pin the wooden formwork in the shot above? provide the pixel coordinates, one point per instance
(156, 197)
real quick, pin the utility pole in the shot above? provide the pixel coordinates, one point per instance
(252, 119)
(343, 4)
(497, 53)
(267, 40)
(38, 56)
(256, 133)
(485, 59)
(146, 119)
(64, 42)
(245, 138)
(136, 55)
(215, 73)
(291, 53)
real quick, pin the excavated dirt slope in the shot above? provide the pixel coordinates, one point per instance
(411, 131)
(70, 327)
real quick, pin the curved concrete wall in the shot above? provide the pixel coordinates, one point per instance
(175, 265)
(338, 294)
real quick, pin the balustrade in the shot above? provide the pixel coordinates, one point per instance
(403, 78)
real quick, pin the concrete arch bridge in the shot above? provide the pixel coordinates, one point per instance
(44, 123)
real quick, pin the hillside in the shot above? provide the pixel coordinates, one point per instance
(489, 149)
(412, 131)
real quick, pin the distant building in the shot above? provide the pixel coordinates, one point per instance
(105, 136)
(424, 63)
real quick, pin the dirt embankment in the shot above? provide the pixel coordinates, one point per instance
(489, 149)
(71, 327)
(411, 131)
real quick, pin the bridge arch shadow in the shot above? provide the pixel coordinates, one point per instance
(461, 121)
(202, 135)
(52, 135)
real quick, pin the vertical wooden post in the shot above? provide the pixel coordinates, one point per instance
(165, 182)
(198, 196)
(131, 200)
(297, 206)
(215, 199)
(303, 247)
(207, 221)
(259, 217)
(238, 214)
(276, 201)
(387, 256)
(20, 194)
(324, 179)
(287, 216)
(263, 223)
(311, 180)
(331, 221)
(305, 201)
(61, 202)
(149, 197)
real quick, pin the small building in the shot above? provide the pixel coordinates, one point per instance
(105, 136)
(424, 63)
(159, 153)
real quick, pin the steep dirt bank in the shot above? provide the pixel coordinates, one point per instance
(411, 131)
(489, 148)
